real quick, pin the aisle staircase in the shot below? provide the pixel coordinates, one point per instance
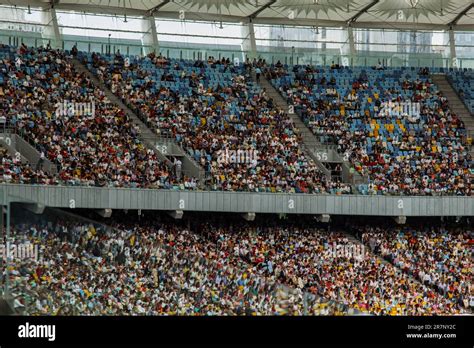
(164, 147)
(322, 154)
(456, 104)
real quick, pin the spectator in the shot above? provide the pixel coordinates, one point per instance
(237, 116)
(258, 72)
(394, 148)
(216, 269)
(97, 146)
(74, 50)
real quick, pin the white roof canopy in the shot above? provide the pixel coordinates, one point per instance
(388, 14)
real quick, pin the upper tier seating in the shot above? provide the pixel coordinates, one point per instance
(210, 108)
(93, 143)
(12, 170)
(415, 147)
(463, 83)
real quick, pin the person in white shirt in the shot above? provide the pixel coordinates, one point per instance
(177, 165)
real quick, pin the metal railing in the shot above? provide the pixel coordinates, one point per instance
(272, 54)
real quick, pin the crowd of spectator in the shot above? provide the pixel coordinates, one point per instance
(400, 150)
(462, 81)
(160, 268)
(212, 107)
(14, 171)
(72, 122)
(435, 256)
(301, 257)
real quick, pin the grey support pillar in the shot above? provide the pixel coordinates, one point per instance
(350, 34)
(150, 37)
(348, 49)
(51, 32)
(249, 44)
(6, 288)
(452, 48)
(2, 224)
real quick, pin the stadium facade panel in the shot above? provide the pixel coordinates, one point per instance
(236, 202)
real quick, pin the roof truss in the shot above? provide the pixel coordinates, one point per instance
(261, 8)
(460, 15)
(361, 12)
(152, 11)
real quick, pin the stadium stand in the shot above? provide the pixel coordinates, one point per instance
(91, 147)
(463, 82)
(237, 158)
(210, 108)
(230, 268)
(420, 152)
(399, 153)
(435, 256)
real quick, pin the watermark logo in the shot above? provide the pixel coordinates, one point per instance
(67, 108)
(23, 251)
(237, 156)
(352, 250)
(400, 109)
(37, 331)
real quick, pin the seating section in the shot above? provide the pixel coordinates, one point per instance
(435, 256)
(234, 269)
(13, 171)
(212, 108)
(463, 83)
(73, 123)
(393, 125)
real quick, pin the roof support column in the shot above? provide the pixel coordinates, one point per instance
(452, 40)
(51, 32)
(350, 34)
(348, 48)
(150, 37)
(249, 44)
(452, 48)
